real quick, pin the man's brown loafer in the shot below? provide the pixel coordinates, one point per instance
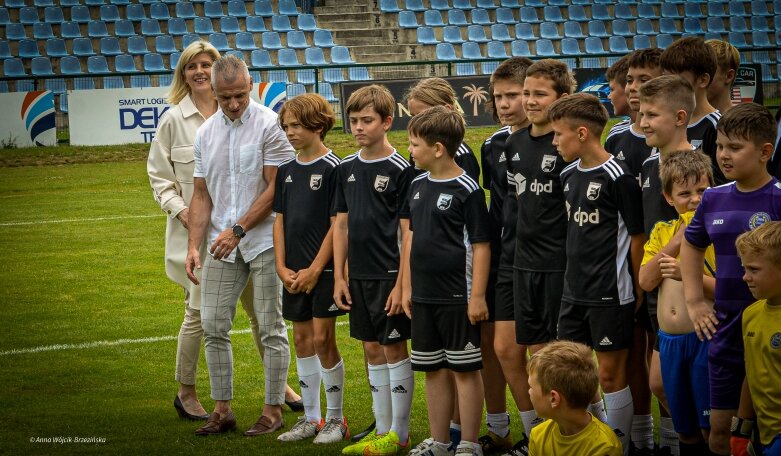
(218, 424)
(264, 426)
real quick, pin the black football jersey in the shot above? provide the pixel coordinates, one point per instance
(702, 135)
(464, 158)
(494, 162)
(655, 207)
(628, 146)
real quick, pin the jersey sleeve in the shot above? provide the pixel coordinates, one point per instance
(339, 200)
(468, 162)
(476, 215)
(331, 178)
(630, 203)
(405, 181)
(485, 161)
(654, 244)
(279, 183)
(695, 233)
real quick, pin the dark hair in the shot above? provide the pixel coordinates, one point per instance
(690, 54)
(580, 108)
(555, 70)
(375, 95)
(684, 166)
(749, 121)
(644, 58)
(670, 89)
(617, 71)
(439, 125)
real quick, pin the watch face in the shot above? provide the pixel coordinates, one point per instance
(238, 231)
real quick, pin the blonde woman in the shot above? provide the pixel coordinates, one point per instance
(170, 167)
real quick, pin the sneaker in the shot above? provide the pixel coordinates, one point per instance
(332, 431)
(455, 438)
(357, 448)
(430, 447)
(470, 450)
(364, 433)
(302, 430)
(492, 443)
(388, 445)
(521, 448)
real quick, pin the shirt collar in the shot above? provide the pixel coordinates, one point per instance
(188, 107)
(244, 117)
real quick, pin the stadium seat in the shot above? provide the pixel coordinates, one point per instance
(97, 29)
(758, 38)
(471, 50)
(426, 35)
(281, 23)
(124, 29)
(456, 17)
(154, 62)
(715, 25)
(185, 10)
(245, 41)
(164, 80)
(82, 47)
(287, 57)
(263, 8)
(260, 58)
(110, 13)
(87, 83)
(5, 50)
(692, 25)
(594, 45)
(480, 17)
(737, 39)
(496, 50)
(597, 28)
(520, 48)
(325, 89)
(389, 6)
(109, 45)
(189, 38)
(572, 30)
(737, 8)
(113, 82)
(80, 14)
(237, 8)
(203, 26)
(53, 15)
(641, 42)
(550, 31)
(296, 40)
(340, 55)
(465, 69)
(124, 63)
(255, 24)
(759, 23)
(433, 18)
(646, 11)
(16, 31)
(600, 13)
(28, 49)
(570, 46)
(663, 40)
(441, 5)
(314, 56)
(623, 11)
(462, 4)
(414, 5)
(759, 8)
(13, 67)
(488, 67)
(408, 19)
(486, 4)
(693, 10)
(15, 3)
(617, 44)
(164, 44)
(500, 32)
(55, 47)
(552, 14)
(295, 89)
(452, 34)
(621, 28)
(446, 52)
(669, 26)
(97, 64)
(41, 66)
(136, 45)
(525, 32)
(42, 31)
(333, 75)
(94, 2)
(323, 38)
(56, 85)
(229, 25)
(306, 23)
(477, 34)
(529, 15)
(271, 40)
(670, 10)
(70, 65)
(505, 16)
(213, 9)
(5, 18)
(150, 27)
(68, 30)
(159, 11)
(711, 36)
(716, 9)
(515, 4)
(577, 13)
(288, 8)
(544, 48)
(220, 41)
(28, 15)
(738, 24)
(140, 81)
(358, 74)
(135, 12)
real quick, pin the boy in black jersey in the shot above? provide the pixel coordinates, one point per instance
(604, 249)
(616, 80)
(696, 62)
(371, 212)
(303, 234)
(447, 261)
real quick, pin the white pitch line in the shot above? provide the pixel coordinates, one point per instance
(94, 219)
(110, 343)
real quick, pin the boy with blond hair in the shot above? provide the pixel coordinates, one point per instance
(562, 381)
(727, 64)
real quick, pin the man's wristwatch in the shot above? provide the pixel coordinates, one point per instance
(238, 231)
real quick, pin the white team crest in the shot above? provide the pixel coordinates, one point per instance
(381, 183)
(443, 202)
(593, 190)
(548, 162)
(315, 180)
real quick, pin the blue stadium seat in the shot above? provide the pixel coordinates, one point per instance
(333, 75)
(55, 47)
(777, 22)
(109, 45)
(325, 89)
(154, 62)
(13, 67)
(646, 11)
(3, 86)
(140, 81)
(164, 80)
(185, 10)
(42, 31)
(255, 24)
(669, 26)
(294, 90)
(15, 32)
(124, 29)
(716, 9)
(136, 45)
(28, 49)
(159, 11)
(5, 18)
(281, 23)
(670, 10)
(692, 25)
(550, 31)
(477, 34)
(56, 86)
(529, 15)
(113, 82)
(314, 56)
(663, 40)
(323, 38)
(296, 40)
(408, 19)
(621, 28)
(43, 3)
(203, 25)
(759, 23)
(41, 66)
(738, 24)
(623, 11)
(488, 67)
(97, 64)
(414, 5)
(711, 36)
(288, 8)
(456, 17)
(15, 3)
(220, 41)
(263, 8)
(465, 69)
(545, 48)
(213, 9)
(760, 39)
(135, 12)
(577, 13)
(110, 13)
(693, 10)
(500, 32)
(446, 52)
(601, 13)
(358, 74)
(552, 14)
(237, 8)
(28, 15)
(5, 50)
(68, 30)
(441, 5)
(164, 44)
(94, 2)
(515, 4)
(617, 44)
(260, 58)
(53, 15)
(70, 65)
(340, 55)
(426, 36)
(505, 16)
(471, 50)
(520, 48)
(287, 57)
(97, 29)
(229, 25)
(82, 47)
(80, 14)
(641, 42)
(486, 4)
(597, 28)
(150, 27)
(389, 6)
(245, 41)
(759, 8)
(496, 50)
(715, 25)
(271, 40)
(594, 45)
(124, 63)
(452, 34)
(737, 8)
(570, 46)
(480, 17)
(306, 22)
(572, 29)
(463, 4)
(737, 39)
(525, 32)
(433, 18)
(84, 83)
(189, 38)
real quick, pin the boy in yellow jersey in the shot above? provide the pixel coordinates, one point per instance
(760, 253)
(563, 380)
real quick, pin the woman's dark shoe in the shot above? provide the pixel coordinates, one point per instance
(184, 414)
(363, 434)
(296, 406)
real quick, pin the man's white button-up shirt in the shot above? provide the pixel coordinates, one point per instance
(231, 155)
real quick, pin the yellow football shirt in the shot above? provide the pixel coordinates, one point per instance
(596, 439)
(661, 234)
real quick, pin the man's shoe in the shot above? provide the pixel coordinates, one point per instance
(218, 424)
(185, 414)
(388, 445)
(521, 448)
(430, 447)
(492, 443)
(296, 406)
(263, 426)
(332, 431)
(357, 437)
(302, 430)
(357, 448)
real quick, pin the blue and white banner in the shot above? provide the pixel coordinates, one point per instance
(28, 119)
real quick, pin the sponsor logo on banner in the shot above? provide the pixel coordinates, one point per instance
(272, 94)
(38, 116)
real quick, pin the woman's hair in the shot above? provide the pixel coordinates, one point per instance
(179, 87)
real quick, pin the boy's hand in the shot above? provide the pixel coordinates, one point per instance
(704, 319)
(306, 280)
(669, 267)
(477, 310)
(342, 297)
(406, 302)
(287, 276)
(393, 304)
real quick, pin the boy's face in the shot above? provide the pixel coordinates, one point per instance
(762, 276)
(618, 98)
(697, 83)
(509, 102)
(741, 159)
(540, 400)
(722, 81)
(538, 95)
(367, 127)
(635, 77)
(415, 107)
(686, 196)
(299, 136)
(423, 153)
(659, 122)
(567, 139)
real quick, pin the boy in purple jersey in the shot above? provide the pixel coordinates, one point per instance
(745, 144)
(604, 247)
(444, 286)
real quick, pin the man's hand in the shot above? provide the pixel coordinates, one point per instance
(224, 244)
(192, 262)
(287, 276)
(342, 297)
(184, 217)
(704, 319)
(669, 267)
(393, 304)
(477, 310)
(306, 280)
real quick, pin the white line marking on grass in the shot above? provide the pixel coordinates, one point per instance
(111, 343)
(94, 219)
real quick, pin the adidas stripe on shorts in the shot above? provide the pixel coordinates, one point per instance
(443, 338)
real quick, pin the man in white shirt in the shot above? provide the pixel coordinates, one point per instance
(237, 152)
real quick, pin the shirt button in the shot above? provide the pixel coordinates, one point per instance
(169, 211)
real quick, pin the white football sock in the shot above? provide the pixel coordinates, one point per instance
(643, 431)
(402, 381)
(333, 382)
(598, 410)
(530, 419)
(667, 435)
(379, 382)
(498, 423)
(620, 409)
(309, 380)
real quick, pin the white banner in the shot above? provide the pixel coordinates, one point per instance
(122, 116)
(27, 119)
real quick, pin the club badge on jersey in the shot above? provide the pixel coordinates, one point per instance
(381, 183)
(315, 181)
(443, 202)
(548, 163)
(593, 190)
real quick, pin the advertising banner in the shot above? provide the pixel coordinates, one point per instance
(27, 119)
